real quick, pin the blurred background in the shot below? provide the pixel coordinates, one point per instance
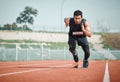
(102, 14)
(35, 30)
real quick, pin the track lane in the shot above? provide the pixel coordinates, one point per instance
(57, 73)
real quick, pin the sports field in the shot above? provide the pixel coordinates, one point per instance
(42, 63)
(59, 71)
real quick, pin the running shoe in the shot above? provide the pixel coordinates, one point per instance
(85, 63)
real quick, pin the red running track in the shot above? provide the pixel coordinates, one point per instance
(58, 71)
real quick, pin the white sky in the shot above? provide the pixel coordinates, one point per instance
(106, 11)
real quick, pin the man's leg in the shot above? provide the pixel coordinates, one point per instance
(75, 56)
(86, 55)
(72, 47)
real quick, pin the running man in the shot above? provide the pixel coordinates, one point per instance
(79, 29)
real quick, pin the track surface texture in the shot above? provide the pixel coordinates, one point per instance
(59, 71)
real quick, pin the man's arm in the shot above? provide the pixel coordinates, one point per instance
(66, 21)
(86, 29)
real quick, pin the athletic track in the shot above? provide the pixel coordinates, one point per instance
(60, 71)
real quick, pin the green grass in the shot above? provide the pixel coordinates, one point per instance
(23, 44)
(18, 41)
(107, 46)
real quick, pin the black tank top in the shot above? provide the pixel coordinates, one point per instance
(76, 28)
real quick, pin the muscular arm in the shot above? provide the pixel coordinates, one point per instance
(86, 29)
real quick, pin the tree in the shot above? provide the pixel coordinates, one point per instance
(8, 27)
(27, 16)
(14, 26)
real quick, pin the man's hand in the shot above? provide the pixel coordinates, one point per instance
(83, 28)
(66, 20)
(86, 29)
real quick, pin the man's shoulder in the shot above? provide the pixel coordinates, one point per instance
(84, 19)
(71, 19)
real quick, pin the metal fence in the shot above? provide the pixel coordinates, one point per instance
(41, 52)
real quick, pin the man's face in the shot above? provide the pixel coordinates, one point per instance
(77, 19)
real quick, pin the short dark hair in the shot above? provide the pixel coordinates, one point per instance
(77, 13)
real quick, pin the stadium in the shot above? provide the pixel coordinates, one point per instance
(50, 59)
(35, 46)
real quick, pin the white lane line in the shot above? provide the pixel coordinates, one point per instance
(22, 65)
(5, 74)
(19, 65)
(106, 75)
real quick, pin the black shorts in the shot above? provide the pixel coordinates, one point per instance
(79, 40)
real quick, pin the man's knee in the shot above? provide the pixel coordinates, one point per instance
(72, 49)
(87, 53)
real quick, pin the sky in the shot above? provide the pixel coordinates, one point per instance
(52, 12)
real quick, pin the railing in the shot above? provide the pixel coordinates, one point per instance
(46, 53)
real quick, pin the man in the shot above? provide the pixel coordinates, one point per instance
(78, 32)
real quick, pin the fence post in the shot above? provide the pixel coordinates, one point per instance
(42, 50)
(16, 52)
(4, 54)
(64, 53)
(27, 54)
(49, 51)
